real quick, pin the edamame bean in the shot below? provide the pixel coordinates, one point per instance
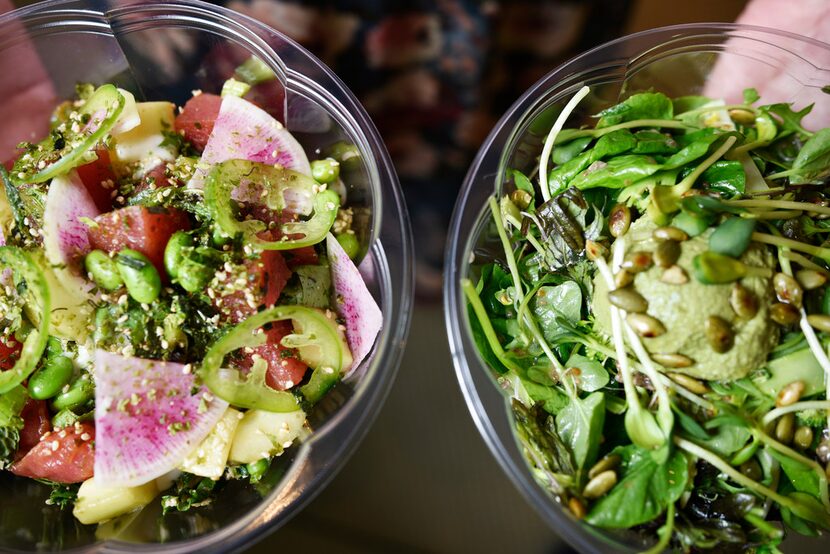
(103, 270)
(350, 244)
(197, 268)
(78, 394)
(174, 251)
(258, 468)
(52, 376)
(140, 276)
(347, 154)
(326, 170)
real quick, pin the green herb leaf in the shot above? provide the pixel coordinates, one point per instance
(579, 425)
(646, 105)
(616, 173)
(644, 492)
(189, 491)
(726, 177)
(654, 142)
(789, 119)
(803, 477)
(551, 304)
(522, 182)
(613, 144)
(812, 164)
(592, 375)
(751, 95)
(563, 153)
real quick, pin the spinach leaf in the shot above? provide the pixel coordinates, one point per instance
(644, 492)
(612, 144)
(564, 153)
(654, 142)
(592, 375)
(522, 182)
(552, 303)
(683, 104)
(802, 477)
(561, 176)
(579, 425)
(646, 105)
(616, 173)
(690, 425)
(813, 161)
(725, 176)
(728, 439)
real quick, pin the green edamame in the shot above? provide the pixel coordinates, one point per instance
(197, 268)
(326, 170)
(53, 375)
(79, 393)
(141, 278)
(174, 251)
(346, 153)
(257, 469)
(350, 244)
(103, 270)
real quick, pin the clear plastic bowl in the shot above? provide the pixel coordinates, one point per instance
(163, 51)
(674, 60)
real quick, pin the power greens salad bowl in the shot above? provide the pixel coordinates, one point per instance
(641, 334)
(206, 277)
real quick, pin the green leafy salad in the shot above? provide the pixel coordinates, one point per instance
(654, 299)
(177, 291)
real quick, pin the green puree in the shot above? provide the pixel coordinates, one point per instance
(683, 310)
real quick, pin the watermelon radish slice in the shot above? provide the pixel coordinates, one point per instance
(68, 204)
(355, 303)
(245, 132)
(146, 419)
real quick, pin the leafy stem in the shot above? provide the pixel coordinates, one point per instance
(508, 250)
(773, 240)
(689, 180)
(779, 204)
(774, 414)
(596, 133)
(665, 532)
(486, 326)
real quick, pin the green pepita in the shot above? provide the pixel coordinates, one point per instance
(619, 220)
(672, 360)
(608, 462)
(811, 279)
(820, 322)
(645, 325)
(789, 394)
(784, 314)
(744, 303)
(670, 233)
(788, 290)
(689, 383)
(628, 299)
(667, 253)
(635, 262)
(600, 484)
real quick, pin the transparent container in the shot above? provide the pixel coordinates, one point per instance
(674, 60)
(163, 51)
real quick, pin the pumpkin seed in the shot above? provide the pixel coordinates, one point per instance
(689, 383)
(628, 299)
(785, 429)
(788, 290)
(623, 278)
(823, 451)
(810, 279)
(670, 233)
(521, 198)
(789, 394)
(784, 314)
(719, 333)
(803, 437)
(672, 360)
(820, 322)
(577, 508)
(600, 484)
(744, 303)
(595, 250)
(619, 220)
(675, 275)
(635, 262)
(741, 116)
(609, 462)
(752, 469)
(667, 253)
(645, 325)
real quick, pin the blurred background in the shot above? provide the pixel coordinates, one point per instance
(435, 75)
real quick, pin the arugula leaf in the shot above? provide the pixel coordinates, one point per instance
(813, 161)
(644, 492)
(646, 105)
(580, 424)
(789, 120)
(751, 95)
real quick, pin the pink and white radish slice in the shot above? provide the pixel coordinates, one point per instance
(243, 131)
(355, 304)
(68, 205)
(146, 419)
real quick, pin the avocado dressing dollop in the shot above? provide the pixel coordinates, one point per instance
(684, 308)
